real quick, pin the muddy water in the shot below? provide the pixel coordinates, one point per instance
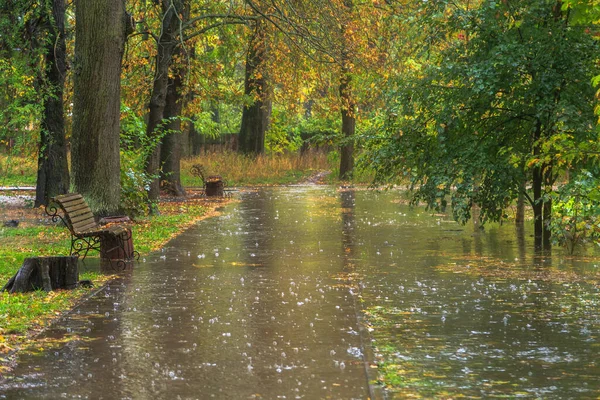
(267, 301)
(251, 304)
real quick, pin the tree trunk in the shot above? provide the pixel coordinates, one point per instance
(348, 107)
(256, 116)
(348, 130)
(47, 273)
(547, 219)
(101, 30)
(547, 210)
(167, 43)
(537, 182)
(520, 214)
(196, 140)
(53, 169)
(170, 153)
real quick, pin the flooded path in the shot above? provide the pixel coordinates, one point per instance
(270, 300)
(252, 304)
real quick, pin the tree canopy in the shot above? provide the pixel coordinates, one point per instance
(472, 103)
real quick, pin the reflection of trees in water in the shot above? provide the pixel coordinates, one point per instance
(347, 202)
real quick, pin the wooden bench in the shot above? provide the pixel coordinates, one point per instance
(86, 233)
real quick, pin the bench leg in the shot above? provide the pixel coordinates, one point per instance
(84, 244)
(127, 245)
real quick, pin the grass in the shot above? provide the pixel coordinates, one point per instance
(151, 233)
(17, 170)
(241, 170)
(236, 169)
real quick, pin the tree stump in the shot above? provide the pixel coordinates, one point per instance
(214, 186)
(47, 273)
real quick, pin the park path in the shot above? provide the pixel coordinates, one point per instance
(256, 303)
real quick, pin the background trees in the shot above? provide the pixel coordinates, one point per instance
(33, 69)
(256, 114)
(473, 103)
(495, 107)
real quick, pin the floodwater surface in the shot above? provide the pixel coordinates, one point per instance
(288, 291)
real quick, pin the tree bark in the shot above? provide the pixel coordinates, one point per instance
(348, 106)
(256, 116)
(348, 129)
(547, 210)
(170, 153)
(167, 43)
(196, 140)
(101, 30)
(47, 273)
(53, 169)
(537, 183)
(520, 214)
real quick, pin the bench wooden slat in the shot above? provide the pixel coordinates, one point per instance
(81, 211)
(89, 224)
(81, 206)
(73, 204)
(85, 225)
(82, 217)
(67, 197)
(87, 228)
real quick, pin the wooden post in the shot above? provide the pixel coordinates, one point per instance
(47, 273)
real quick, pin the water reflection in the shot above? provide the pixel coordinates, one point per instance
(244, 306)
(268, 300)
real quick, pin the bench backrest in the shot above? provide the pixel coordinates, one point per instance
(77, 214)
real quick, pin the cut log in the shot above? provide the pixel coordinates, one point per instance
(214, 187)
(47, 273)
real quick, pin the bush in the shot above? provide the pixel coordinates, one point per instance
(576, 212)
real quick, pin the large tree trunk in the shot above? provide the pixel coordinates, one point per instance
(47, 273)
(256, 116)
(348, 130)
(167, 43)
(101, 30)
(53, 169)
(170, 152)
(348, 106)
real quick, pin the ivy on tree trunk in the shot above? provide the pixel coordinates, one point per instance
(53, 170)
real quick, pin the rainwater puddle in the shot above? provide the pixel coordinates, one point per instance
(281, 296)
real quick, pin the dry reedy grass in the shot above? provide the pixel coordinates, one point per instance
(238, 169)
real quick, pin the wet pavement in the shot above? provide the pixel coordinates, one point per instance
(293, 292)
(240, 306)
